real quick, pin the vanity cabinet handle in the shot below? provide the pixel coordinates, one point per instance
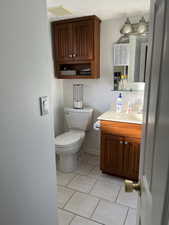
(74, 55)
(125, 142)
(121, 142)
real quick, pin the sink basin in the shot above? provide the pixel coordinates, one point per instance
(122, 117)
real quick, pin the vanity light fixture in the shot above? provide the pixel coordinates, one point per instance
(127, 28)
(140, 28)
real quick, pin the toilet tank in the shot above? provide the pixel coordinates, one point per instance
(78, 118)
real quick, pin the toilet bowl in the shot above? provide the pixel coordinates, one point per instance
(69, 143)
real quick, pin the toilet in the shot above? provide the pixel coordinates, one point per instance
(69, 143)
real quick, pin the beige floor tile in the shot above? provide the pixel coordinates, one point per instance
(64, 217)
(82, 204)
(128, 199)
(110, 213)
(131, 217)
(95, 173)
(90, 159)
(82, 221)
(64, 178)
(106, 190)
(107, 177)
(82, 183)
(84, 169)
(64, 194)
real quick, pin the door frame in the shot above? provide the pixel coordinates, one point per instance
(160, 176)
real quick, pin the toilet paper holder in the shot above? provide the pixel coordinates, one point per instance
(96, 125)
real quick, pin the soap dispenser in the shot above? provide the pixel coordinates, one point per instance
(119, 103)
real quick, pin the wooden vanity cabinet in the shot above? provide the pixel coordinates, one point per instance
(76, 46)
(120, 149)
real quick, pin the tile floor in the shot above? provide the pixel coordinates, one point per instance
(88, 197)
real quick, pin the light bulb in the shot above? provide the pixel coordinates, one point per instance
(142, 26)
(127, 27)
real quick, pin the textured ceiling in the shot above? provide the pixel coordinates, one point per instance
(105, 9)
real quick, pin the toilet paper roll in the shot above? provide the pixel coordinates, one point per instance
(96, 125)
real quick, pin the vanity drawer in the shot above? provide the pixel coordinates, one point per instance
(121, 129)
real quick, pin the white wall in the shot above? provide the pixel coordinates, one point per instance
(27, 154)
(97, 93)
(57, 93)
(57, 98)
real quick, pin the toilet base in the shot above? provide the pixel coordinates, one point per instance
(68, 163)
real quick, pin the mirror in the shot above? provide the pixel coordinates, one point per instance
(129, 62)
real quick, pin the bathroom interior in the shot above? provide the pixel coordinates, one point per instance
(99, 59)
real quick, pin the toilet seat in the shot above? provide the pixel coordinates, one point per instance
(69, 139)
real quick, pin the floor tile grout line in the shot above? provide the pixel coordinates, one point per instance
(88, 218)
(94, 209)
(92, 186)
(75, 175)
(111, 202)
(118, 193)
(89, 192)
(92, 219)
(75, 190)
(97, 177)
(72, 219)
(118, 203)
(100, 198)
(69, 199)
(126, 217)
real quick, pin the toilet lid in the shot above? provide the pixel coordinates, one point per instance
(69, 138)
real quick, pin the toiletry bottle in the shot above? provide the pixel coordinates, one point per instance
(116, 81)
(125, 82)
(121, 82)
(119, 103)
(129, 107)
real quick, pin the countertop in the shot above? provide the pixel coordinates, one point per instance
(122, 117)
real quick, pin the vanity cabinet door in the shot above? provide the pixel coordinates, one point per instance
(112, 154)
(131, 158)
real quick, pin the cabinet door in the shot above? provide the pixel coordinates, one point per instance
(112, 154)
(62, 41)
(83, 40)
(131, 158)
(120, 54)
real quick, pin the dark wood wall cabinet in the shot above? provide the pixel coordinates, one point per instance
(76, 47)
(120, 149)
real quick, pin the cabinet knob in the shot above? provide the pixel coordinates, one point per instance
(125, 142)
(121, 142)
(74, 55)
(70, 55)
